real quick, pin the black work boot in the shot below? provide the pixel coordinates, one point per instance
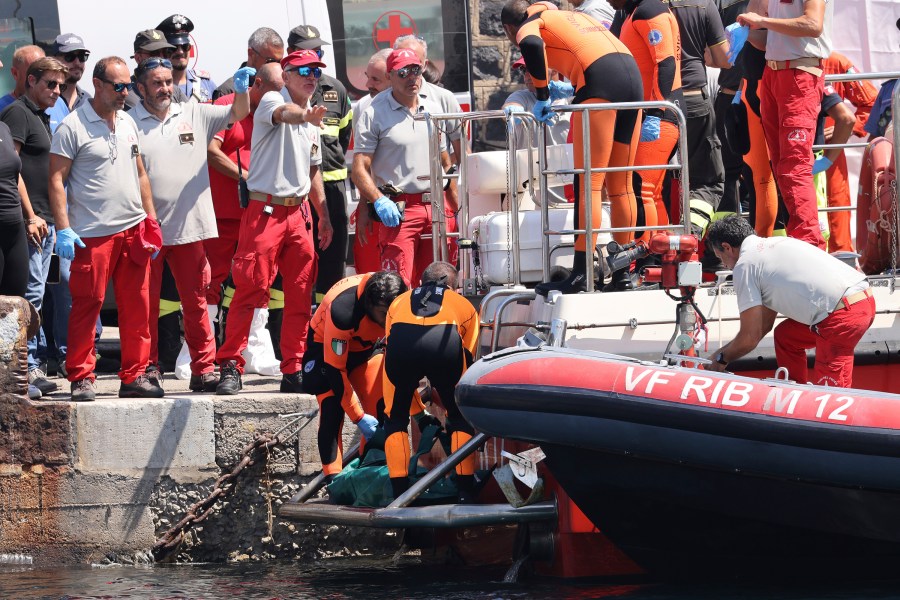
(574, 283)
(142, 387)
(229, 379)
(292, 383)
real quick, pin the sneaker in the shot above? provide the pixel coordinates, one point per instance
(33, 392)
(229, 380)
(205, 382)
(142, 387)
(574, 283)
(83, 390)
(292, 383)
(154, 375)
(38, 379)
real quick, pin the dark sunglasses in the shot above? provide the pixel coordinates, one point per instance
(81, 55)
(118, 87)
(307, 71)
(53, 84)
(319, 52)
(414, 70)
(183, 47)
(268, 60)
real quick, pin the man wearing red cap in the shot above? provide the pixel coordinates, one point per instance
(391, 155)
(276, 227)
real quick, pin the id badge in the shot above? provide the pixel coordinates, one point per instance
(134, 150)
(186, 138)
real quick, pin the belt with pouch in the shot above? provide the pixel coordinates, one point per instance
(278, 200)
(848, 301)
(421, 198)
(810, 64)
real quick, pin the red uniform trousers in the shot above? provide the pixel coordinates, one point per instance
(834, 339)
(219, 252)
(838, 195)
(283, 240)
(367, 257)
(190, 270)
(102, 259)
(790, 101)
(402, 248)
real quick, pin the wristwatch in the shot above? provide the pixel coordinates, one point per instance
(720, 358)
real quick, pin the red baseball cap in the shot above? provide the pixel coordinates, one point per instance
(302, 58)
(402, 57)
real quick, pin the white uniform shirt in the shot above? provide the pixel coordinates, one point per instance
(558, 130)
(174, 153)
(599, 9)
(793, 278)
(788, 47)
(104, 194)
(397, 142)
(281, 154)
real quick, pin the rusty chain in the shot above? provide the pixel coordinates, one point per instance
(262, 444)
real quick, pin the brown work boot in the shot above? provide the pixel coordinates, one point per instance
(142, 387)
(205, 382)
(83, 390)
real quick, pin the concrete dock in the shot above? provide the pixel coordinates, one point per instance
(101, 481)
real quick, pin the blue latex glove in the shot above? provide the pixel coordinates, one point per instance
(650, 129)
(560, 89)
(737, 37)
(154, 255)
(542, 111)
(823, 163)
(65, 243)
(387, 211)
(737, 97)
(242, 79)
(367, 426)
(513, 108)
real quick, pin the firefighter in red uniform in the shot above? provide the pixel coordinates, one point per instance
(432, 332)
(602, 70)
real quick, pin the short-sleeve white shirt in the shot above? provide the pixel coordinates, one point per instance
(104, 194)
(281, 154)
(174, 153)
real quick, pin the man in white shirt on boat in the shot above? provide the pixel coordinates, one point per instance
(828, 304)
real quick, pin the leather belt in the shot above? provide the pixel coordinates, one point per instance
(729, 91)
(423, 198)
(810, 64)
(277, 200)
(852, 299)
(692, 91)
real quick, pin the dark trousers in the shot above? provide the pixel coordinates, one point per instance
(333, 258)
(707, 175)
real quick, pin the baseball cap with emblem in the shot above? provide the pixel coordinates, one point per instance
(150, 40)
(301, 58)
(67, 42)
(305, 37)
(402, 57)
(176, 28)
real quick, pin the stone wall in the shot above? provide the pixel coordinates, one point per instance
(492, 56)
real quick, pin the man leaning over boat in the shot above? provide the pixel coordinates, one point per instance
(828, 304)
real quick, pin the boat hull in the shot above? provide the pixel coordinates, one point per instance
(684, 486)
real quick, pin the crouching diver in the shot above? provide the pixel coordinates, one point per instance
(432, 332)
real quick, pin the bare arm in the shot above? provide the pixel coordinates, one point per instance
(362, 178)
(756, 322)
(718, 55)
(294, 114)
(809, 24)
(146, 194)
(219, 161)
(317, 198)
(844, 120)
(757, 37)
(59, 173)
(240, 108)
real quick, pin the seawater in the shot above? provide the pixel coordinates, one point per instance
(372, 579)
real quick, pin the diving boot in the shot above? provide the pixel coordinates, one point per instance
(574, 283)
(621, 282)
(399, 485)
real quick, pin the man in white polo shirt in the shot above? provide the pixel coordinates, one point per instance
(276, 227)
(111, 219)
(174, 138)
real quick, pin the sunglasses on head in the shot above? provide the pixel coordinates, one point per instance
(155, 63)
(118, 87)
(52, 84)
(307, 71)
(414, 70)
(81, 55)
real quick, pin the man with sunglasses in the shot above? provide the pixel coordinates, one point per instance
(109, 215)
(29, 126)
(337, 126)
(70, 50)
(196, 84)
(150, 43)
(392, 149)
(21, 60)
(173, 139)
(276, 227)
(264, 46)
